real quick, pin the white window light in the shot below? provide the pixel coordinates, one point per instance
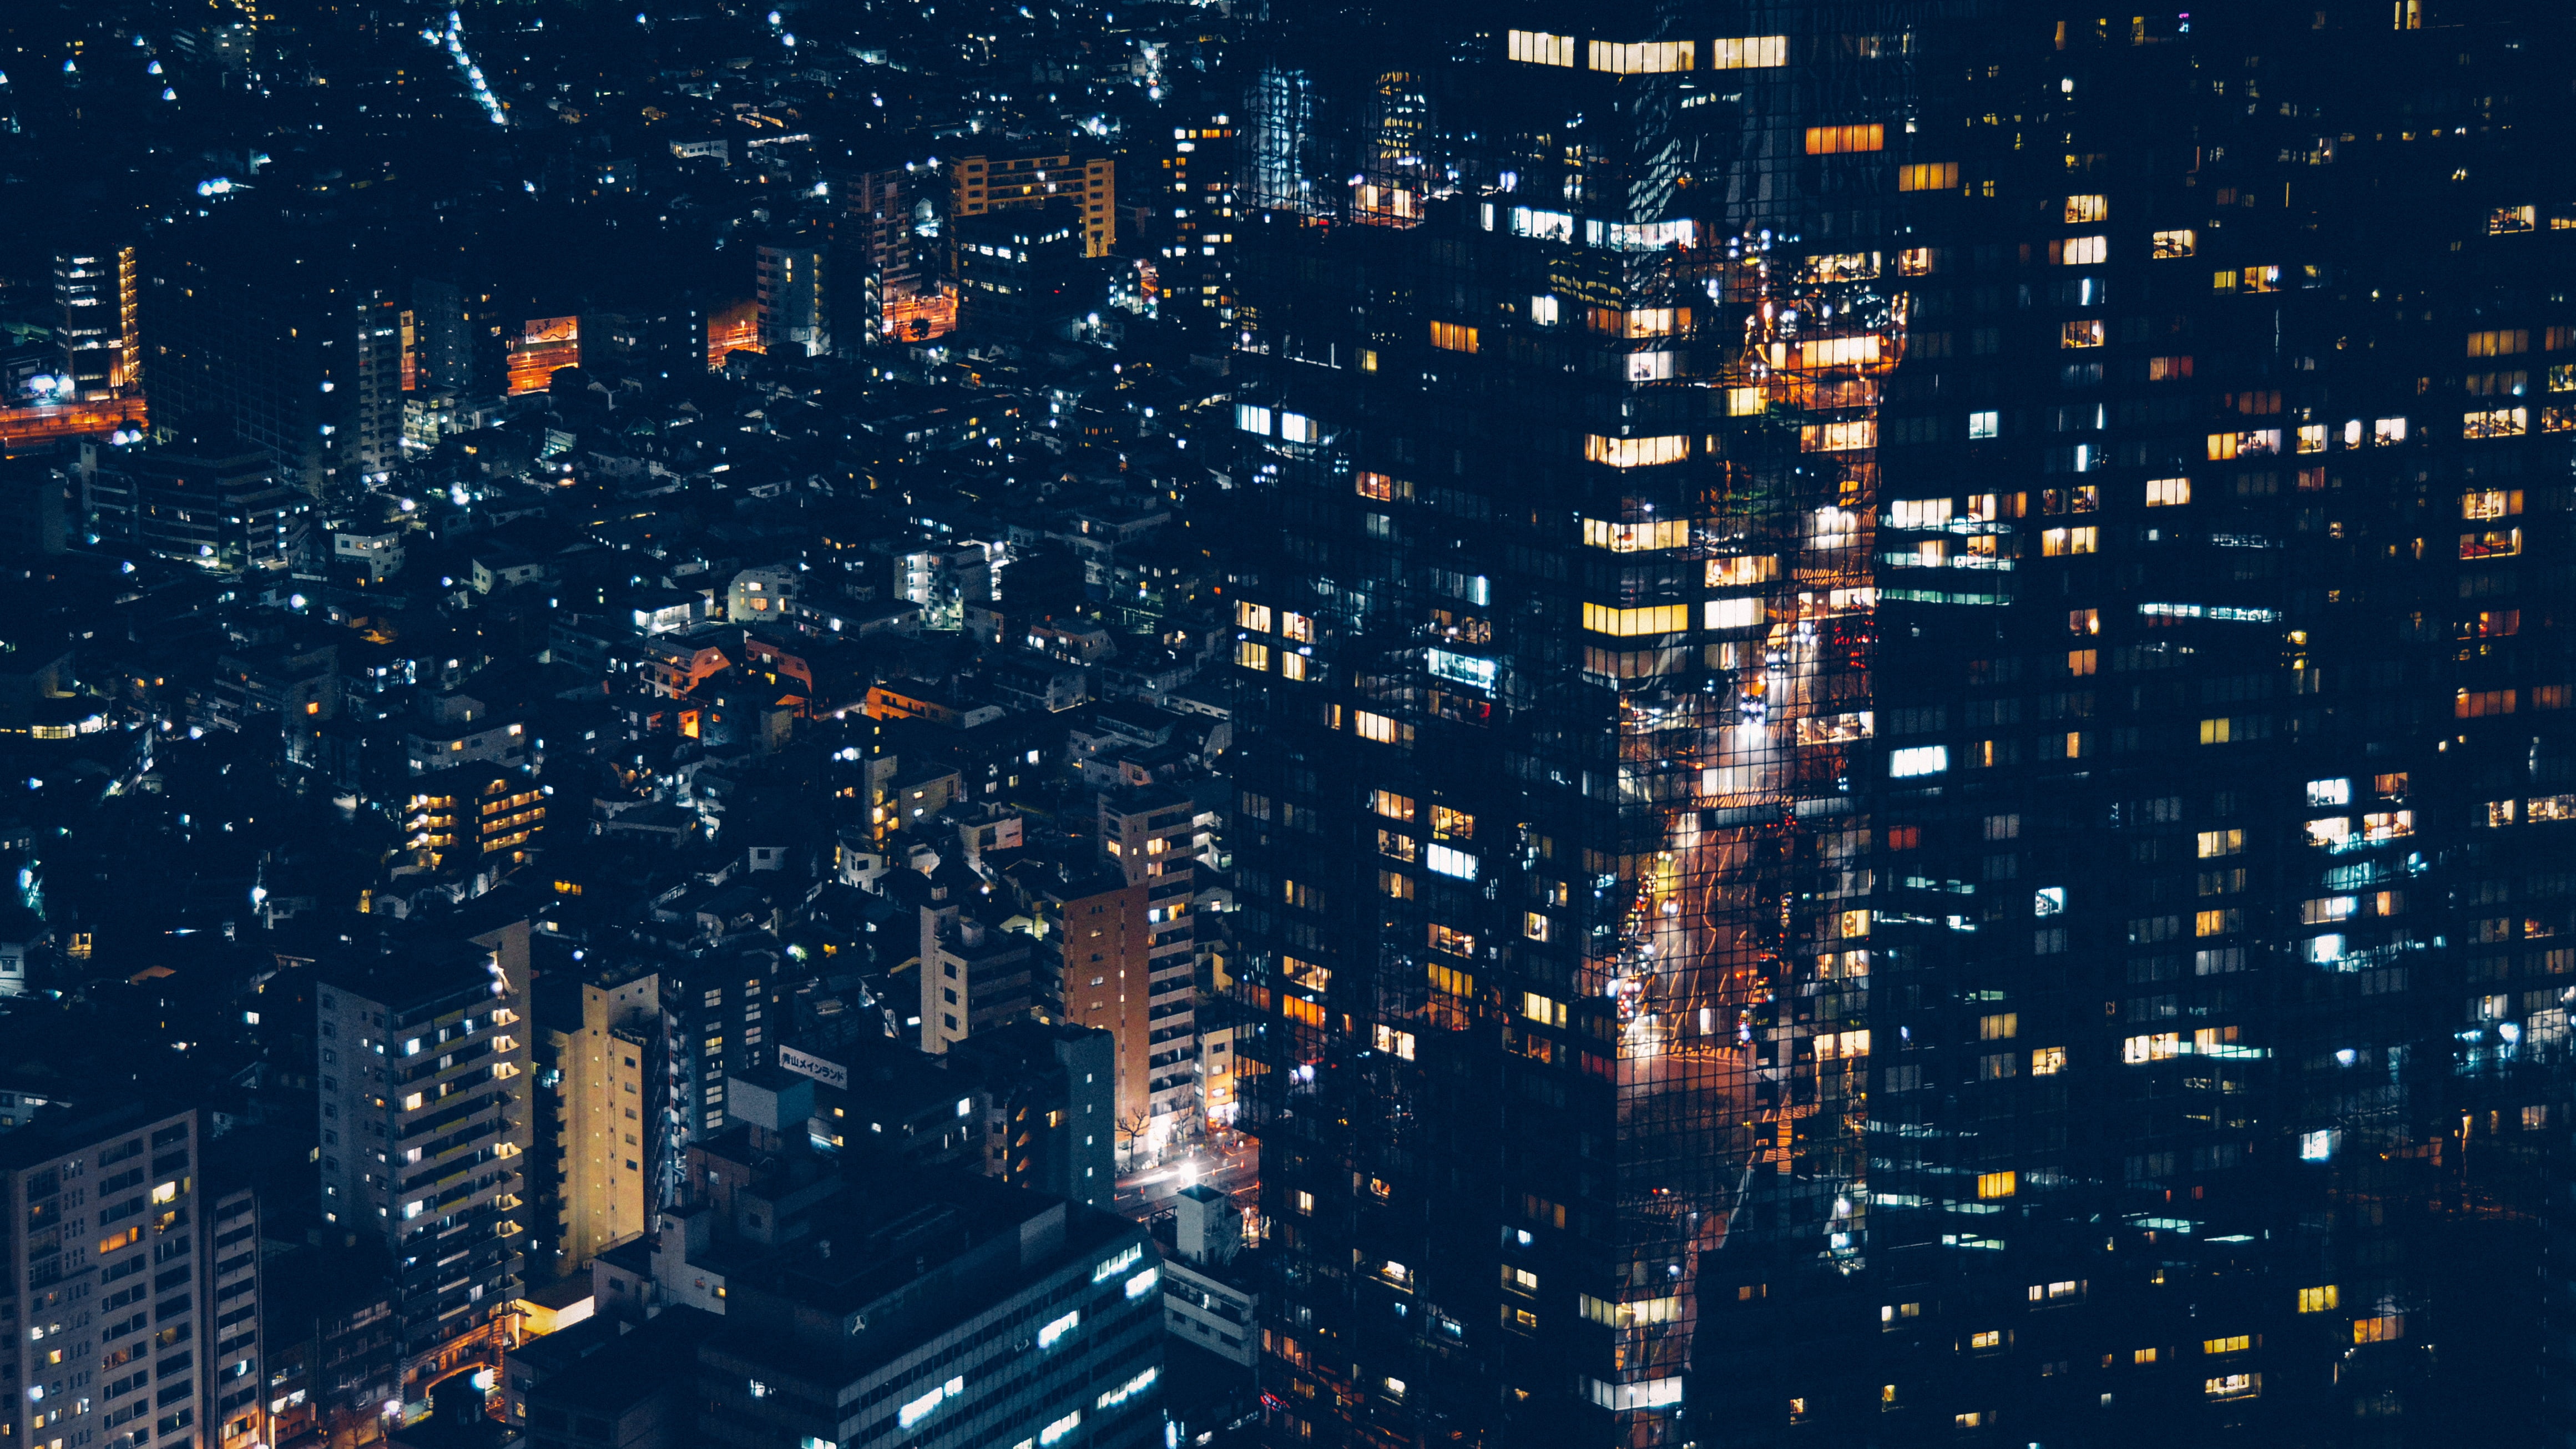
(1056, 1329)
(1919, 760)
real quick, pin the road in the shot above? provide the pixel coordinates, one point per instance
(1234, 1167)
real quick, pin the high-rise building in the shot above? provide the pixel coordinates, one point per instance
(460, 333)
(1899, 766)
(603, 1035)
(797, 292)
(275, 332)
(425, 1097)
(885, 232)
(111, 1304)
(97, 293)
(1180, 211)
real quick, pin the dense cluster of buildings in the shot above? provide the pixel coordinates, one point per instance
(1325, 726)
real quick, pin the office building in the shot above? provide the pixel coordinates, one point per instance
(425, 1097)
(110, 1307)
(941, 1308)
(1890, 764)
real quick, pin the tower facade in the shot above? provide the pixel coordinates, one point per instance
(1878, 741)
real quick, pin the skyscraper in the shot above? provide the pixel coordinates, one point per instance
(425, 1094)
(1900, 755)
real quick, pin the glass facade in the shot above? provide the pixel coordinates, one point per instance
(1901, 746)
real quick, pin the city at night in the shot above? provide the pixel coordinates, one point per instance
(1287, 724)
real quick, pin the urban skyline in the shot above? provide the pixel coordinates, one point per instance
(1284, 724)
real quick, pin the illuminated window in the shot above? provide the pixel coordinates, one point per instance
(1838, 140)
(1381, 729)
(1453, 337)
(1391, 805)
(2167, 245)
(1537, 47)
(2503, 343)
(1635, 452)
(2506, 220)
(2234, 1343)
(1636, 537)
(2166, 369)
(2489, 503)
(2086, 332)
(2168, 492)
(1383, 488)
(1928, 176)
(1648, 57)
(1639, 322)
(2494, 543)
(2159, 1047)
(1629, 623)
(1997, 1184)
(1249, 615)
(1841, 437)
(2047, 1061)
(1733, 613)
(1252, 654)
(2322, 1299)
(2082, 251)
(2084, 210)
(2495, 423)
(1753, 52)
